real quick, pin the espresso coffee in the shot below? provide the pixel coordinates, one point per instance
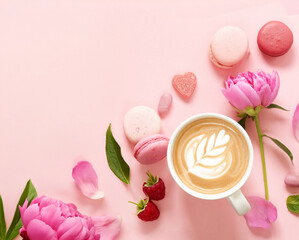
(210, 155)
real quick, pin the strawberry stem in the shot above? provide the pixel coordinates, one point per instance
(151, 179)
(133, 203)
(141, 205)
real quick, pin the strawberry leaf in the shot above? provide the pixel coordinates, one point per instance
(281, 146)
(152, 180)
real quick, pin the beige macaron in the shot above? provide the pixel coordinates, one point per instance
(229, 47)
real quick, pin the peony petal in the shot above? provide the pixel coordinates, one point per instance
(274, 85)
(107, 227)
(46, 201)
(70, 228)
(87, 180)
(24, 207)
(251, 94)
(51, 215)
(236, 97)
(295, 123)
(32, 212)
(265, 95)
(38, 230)
(258, 82)
(262, 213)
(38, 199)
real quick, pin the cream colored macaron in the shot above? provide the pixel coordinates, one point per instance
(141, 122)
(229, 47)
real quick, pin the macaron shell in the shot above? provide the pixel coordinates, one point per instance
(275, 38)
(229, 46)
(140, 122)
(151, 149)
(213, 60)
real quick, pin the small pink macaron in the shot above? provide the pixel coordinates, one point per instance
(229, 47)
(275, 38)
(151, 149)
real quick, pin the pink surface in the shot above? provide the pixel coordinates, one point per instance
(68, 68)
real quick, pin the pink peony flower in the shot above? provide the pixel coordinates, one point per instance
(51, 219)
(251, 90)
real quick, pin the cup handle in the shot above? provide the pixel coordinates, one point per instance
(239, 202)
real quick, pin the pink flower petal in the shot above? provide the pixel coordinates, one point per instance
(107, 227)
(295, 123)
(38, 230)
(251, 94)
(265, 95)
(24, 207)
(32, 212)
(262, 213)
(70, 228)
(51, 215)
(87, 180)
(236, 97)
(275, 83)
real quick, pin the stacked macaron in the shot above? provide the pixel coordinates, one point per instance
(142, 127)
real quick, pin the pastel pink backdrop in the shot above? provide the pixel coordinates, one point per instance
(68, 68)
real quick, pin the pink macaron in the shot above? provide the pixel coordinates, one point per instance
(151, 149)
(229, 47)
(275, 38)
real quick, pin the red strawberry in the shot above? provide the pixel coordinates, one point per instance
(154, 187)
(147, 210)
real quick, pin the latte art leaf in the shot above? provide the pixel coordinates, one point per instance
(214, 147)
(222, 138)
(207, 157)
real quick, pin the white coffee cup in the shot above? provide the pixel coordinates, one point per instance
(234, 194)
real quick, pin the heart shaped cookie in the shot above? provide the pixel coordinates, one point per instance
(184, 84)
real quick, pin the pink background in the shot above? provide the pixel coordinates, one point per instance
(68, 68)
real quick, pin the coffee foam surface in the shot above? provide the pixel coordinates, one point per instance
(210, 156)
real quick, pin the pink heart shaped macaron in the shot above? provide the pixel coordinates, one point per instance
(151, 149)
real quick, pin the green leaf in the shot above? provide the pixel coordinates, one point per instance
(276, 106)
(115, 160)
(15, 232)
(29, 193)
(282, 147)
(293, 203)
(242, 122)
(2, 220)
